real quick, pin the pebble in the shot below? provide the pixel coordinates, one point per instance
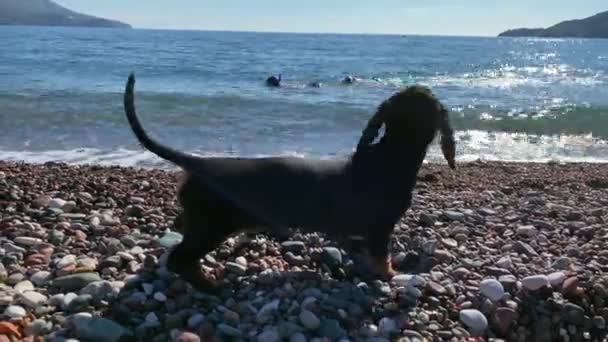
(556, 278)
(101, 289)
(430, 246)
(492, 289)
(27, 241)
(454, 215)
(75, 281)
(24, 286)
(268, 309)
(570, 284)
(67, 299)
(15, 311)
(504, 262)
(161, 297)
(574, 314)
(185, 336)
(535, 282)
(195, 320)
(436, 288)
(3, 273)
(236, 268)
(96, 328)
(561, 263)
(474, 319)
(269, 335)
(80, 303)
(38, 327)
(170, 239)
(504, 318)
(298, 337)
(293, 246)
(527, 231)
(309, 320)
(332, 256)
(408, 280)
(524, 248)
(332, 329)
(56, 203)
(599, 322)
(455, 256)
(387, 326)
(33, 299)
(67, 260)
(134, 210)
(228, 330)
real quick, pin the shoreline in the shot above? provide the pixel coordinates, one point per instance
(502, 250)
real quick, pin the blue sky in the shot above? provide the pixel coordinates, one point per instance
(435, 17)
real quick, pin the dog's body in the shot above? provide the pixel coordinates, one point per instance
(364, 195)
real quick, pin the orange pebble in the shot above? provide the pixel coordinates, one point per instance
(9, 329)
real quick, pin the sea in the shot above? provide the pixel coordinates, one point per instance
(510, 99)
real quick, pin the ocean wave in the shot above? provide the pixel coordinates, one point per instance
(558, 120)
(471, 145)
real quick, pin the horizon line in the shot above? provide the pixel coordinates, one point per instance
(314, 32)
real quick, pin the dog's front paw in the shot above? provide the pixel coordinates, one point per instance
(381, 268)
(386, 270)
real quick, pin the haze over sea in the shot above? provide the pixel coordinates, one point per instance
(516, 99)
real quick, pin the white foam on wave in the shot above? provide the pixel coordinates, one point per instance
(472, 145)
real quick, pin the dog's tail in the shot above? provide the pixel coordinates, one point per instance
(189, 162)
(177, 157)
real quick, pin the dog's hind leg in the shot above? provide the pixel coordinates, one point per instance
(200, 237)
(378, 253)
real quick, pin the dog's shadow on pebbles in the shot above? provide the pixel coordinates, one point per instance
(290, 289)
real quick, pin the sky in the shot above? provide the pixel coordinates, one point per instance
(424, 17)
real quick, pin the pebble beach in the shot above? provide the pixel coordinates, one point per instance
(489, 252)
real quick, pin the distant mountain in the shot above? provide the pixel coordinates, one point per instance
(592, 27)
(48, 13)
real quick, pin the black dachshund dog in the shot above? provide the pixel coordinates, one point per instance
(363, 195)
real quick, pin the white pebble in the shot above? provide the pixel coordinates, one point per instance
(23, 286)
(474, 319)
(67, 260)
(241, 261)
(94, 221)
(556, 278)
(32, 299)
(56, 203)
(492, 289)
(408, 280)
(535, 282)
(14, 311)
(67, 299)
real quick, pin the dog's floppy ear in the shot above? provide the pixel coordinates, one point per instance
(372, 129)
(448, 143)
